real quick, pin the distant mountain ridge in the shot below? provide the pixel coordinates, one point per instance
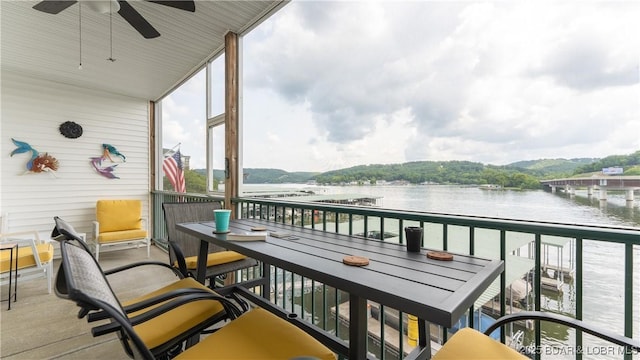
(553, 165)
(268, 176)
(522, 174)
(276, 176)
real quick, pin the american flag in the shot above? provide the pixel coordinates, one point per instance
(173, 170)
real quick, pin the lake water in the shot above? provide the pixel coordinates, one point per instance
(527, 205)
(603, 263)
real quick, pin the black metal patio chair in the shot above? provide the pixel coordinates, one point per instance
(471, 344)
(189, 321)
(184, 248)
(256, 334)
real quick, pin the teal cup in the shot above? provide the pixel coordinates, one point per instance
(221, 217)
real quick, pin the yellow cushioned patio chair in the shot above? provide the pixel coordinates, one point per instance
(256, 334)
(470, 344)
(184, 248)
(34, 257)
(119, 222)
(175, 320)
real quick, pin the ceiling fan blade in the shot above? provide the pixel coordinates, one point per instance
(53, 6)
(187, 5)
(137, 21)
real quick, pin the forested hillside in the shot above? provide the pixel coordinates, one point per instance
(275, 176)
(439, 172)
(553, 166)
(266, 176)
(521, 174)
(630, 163)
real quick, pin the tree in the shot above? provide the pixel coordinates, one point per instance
(195, 182)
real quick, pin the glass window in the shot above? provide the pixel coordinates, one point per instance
(195, 127)
(216, 86)
(217, 166)
(183, 124)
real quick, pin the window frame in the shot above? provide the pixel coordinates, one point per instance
(214, 120)
(212, 123)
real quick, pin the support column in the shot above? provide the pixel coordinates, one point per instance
(603, 193)
(629, 196)
(154, 160)
(231, 124)
(553, 189)
(231, 105)
(589, 190)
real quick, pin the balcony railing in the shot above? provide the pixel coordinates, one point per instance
(161, 197)
(548, 258)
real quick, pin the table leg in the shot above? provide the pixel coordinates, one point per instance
(424, 337)
(357, 327)
(13, 272)
(201, 271)
(11, 275)
(266, 274)
(15, 282)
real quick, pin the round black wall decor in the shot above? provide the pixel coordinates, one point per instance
(70, 130)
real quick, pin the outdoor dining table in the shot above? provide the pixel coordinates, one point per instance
(433, 290)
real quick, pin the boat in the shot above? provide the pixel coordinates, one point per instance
(490, 187)
(481, 322)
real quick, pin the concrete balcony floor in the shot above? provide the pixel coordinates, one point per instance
(42, 326)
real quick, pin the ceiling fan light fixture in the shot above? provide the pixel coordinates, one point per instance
(122, 7)
(103, 6)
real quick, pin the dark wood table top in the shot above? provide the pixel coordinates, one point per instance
(434, 290)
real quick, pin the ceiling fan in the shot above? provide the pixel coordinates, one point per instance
(123, 8)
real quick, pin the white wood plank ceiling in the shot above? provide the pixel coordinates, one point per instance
(47, 46)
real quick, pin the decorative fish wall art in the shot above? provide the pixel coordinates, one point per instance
(107, 152)
(38, 162)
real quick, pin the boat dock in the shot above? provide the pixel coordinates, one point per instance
(391, 336)
(492, 308)
(550, 284)
(562, 272)
(341, 199)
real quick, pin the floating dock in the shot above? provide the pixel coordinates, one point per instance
(564, 273)
(492, 309)
(549, 284)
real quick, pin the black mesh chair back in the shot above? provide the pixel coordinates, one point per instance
(65, 229)
(72, 284)
(81, 280)
(176, 213)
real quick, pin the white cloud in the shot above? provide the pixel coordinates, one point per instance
(336, 84)
(184, 121)
(172, 124)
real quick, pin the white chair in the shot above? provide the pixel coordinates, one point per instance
(35, 257)
(119, 222)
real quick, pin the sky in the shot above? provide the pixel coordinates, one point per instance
(329, 85)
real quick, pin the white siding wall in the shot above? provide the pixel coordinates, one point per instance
(32, 111)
